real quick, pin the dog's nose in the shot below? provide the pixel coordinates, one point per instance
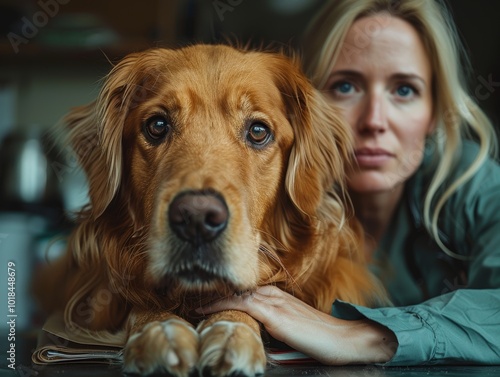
(197, 216)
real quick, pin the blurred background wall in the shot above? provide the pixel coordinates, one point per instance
(53, 54)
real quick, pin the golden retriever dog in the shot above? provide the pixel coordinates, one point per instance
(212, 170)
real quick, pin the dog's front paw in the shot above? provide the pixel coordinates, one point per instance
(231, 349)
(170, 346)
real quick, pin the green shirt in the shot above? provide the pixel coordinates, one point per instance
(446, 310)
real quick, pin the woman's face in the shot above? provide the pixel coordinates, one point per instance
(382, 83)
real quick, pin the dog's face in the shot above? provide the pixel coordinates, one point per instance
(211, 152)
(207, 150)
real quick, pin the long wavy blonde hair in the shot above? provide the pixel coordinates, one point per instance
(457, 115)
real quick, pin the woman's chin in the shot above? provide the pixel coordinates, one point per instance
(374, 182)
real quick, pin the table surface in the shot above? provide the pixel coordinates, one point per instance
(25, 368)
(288, 371)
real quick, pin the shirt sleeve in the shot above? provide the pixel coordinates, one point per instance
(458, 327)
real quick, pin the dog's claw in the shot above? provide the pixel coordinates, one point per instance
(231, 349)
(170, 346)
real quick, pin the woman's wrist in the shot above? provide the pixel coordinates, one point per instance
(338, 342)
(371, 342)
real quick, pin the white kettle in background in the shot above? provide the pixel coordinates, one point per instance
(28, 180)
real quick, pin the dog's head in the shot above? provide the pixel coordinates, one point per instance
(205, 160)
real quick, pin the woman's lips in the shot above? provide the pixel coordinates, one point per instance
(372, 157)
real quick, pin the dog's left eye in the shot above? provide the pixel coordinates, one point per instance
(259, 134)
(157, 127)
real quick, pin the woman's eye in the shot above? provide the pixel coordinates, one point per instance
(157, 127)
(342, 88)
(405, 91)
(258, 134)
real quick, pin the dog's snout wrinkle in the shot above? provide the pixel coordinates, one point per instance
(197, 216)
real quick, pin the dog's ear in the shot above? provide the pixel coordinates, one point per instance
(95, 130)
(322, 147)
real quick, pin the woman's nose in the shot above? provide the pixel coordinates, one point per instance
(373, 117)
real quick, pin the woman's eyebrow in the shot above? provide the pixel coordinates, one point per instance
(346, 72)
(409, 76)
(396, 76)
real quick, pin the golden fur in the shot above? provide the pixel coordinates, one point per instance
(287, 219)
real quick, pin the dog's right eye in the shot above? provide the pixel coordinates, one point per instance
(258, 135)
(157, 127)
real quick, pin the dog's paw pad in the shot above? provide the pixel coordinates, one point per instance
(231, 349)
(170, 346)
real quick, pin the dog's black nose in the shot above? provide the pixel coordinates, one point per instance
(198, 216)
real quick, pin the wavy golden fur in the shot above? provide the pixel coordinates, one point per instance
(243, 131)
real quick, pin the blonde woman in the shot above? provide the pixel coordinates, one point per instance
(427, 196)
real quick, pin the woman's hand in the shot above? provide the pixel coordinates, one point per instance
(319, 335)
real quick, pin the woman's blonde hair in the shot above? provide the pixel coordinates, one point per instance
(456, 114)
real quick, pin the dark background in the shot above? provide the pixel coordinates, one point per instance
(76, 40)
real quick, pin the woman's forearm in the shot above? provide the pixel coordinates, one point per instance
(321, 336)
(368, 342)
(334, 341)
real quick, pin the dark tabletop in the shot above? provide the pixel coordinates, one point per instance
(24, 368)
